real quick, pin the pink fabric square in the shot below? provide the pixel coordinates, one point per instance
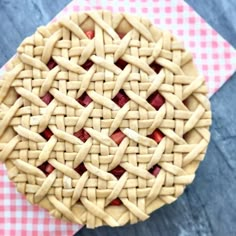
(179, 20)
(214, 44)
(144, 10)
(87, 8)
(192, 20)
(192, 44)
(168, 21)
(216, 67)
(192, 32)
(203, 44)
(156, 9)
(132, 9)
(227, 54)
(180, 32)
(168, 9)
(76, 8)
(217, 78)
(203, 32)
(204, 55)
(229, 66)
(180, 8)
(157, 22)
(215, 55)
(110, 8)
(121, 9)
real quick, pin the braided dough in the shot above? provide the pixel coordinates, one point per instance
(183, 119)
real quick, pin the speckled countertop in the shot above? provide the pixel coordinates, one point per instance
(208, 206)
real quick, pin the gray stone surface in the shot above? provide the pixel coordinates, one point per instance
(208, 206)
(20, 18)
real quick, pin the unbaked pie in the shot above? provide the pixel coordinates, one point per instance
(103, 118)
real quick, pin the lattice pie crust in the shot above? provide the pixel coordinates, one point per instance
(103, 118)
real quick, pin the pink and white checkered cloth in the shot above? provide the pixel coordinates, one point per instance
(214, 57)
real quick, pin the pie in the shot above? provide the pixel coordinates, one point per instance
(104, 118)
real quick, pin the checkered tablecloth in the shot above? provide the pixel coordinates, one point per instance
(214, 57)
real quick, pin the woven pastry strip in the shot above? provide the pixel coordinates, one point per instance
(116, 155)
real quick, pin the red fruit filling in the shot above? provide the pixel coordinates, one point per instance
(156, 100)
(157, 135)
(84, 99)
(51, 64)
(121, 35)
(118, 171)
(46, 168)
(82, 135)
(117, 136)
(121, 64)
(156, 67)
(90, 34)
(116, 202)
(47, 98)
(121, 98)
(80, 168)
(155, 170)
(87, 65)
(47, 133)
